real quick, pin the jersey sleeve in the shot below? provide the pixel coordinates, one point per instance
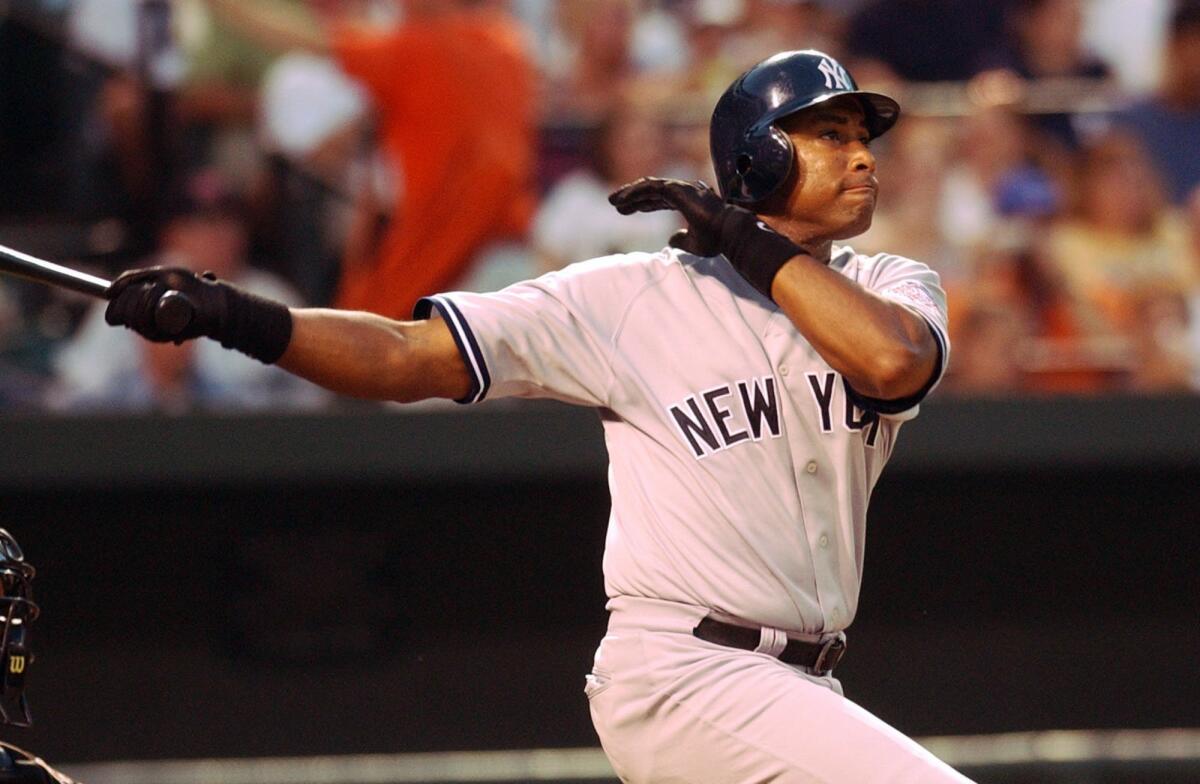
(551, 337)
(918, 288)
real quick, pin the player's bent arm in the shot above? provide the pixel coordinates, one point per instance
(369, 356)
(882, 349)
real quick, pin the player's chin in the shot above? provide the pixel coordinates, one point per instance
(857, 221)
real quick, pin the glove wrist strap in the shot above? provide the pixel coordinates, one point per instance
(256, 326)
(755, 250)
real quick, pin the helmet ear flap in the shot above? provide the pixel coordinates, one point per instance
(760, 165)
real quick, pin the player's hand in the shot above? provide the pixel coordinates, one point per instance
(699, 205)
(238, 319)
(133, 301)
(756, 250)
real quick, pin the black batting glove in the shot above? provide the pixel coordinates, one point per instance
(714, 227)
(259, 327)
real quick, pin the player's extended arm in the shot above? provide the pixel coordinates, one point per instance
(883, 350)
(276, 26)
(273, 26)
(365, 355)
(354, 353)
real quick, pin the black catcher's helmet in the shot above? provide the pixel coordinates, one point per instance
(753, 157)
(17, 611)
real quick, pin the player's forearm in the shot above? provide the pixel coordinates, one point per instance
(882, 349)
(368, 356)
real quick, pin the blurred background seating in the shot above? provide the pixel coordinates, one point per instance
(1044, 169)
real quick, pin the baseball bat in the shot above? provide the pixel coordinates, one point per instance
(172, 314)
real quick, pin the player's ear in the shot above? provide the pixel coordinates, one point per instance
(777, 202)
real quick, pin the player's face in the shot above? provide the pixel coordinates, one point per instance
(831, 190)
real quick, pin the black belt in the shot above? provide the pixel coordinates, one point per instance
(820, 657)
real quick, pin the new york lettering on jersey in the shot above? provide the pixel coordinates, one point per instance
(703, 418)
(822, 385)
(709, 424)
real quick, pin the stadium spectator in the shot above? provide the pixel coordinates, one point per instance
(715, 62)
(1121, 249)
(21, 381)
(1131, 38)
(772, 26)
(993, 149)
(312, 127)
(173, 88)
(592, 56)
(1100, 300)
(35, 110)
(453, 91)
(1161, 345)
(1045, 41)
(1055, 348)
(989, 341)
(725, 37)
(1168, 124)
(658, 42)
(923, 40)
(1192, 216)
(105, 369)
(34, 321)
(576, 220)
(1005, 268)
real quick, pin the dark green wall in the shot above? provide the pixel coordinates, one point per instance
(391, 582)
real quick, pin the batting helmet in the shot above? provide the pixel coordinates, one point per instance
(17, 611)
(753, 157)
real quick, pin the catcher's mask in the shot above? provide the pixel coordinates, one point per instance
(17, 611)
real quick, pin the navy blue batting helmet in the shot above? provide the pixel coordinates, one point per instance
(753, 157)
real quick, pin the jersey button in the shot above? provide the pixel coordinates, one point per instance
(783, 370)
(811, 467)
(824, 540)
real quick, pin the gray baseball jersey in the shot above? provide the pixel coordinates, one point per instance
(741, 464)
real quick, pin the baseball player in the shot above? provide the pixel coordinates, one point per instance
(751, 377)
(17, 612)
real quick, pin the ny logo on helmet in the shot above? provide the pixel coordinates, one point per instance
(835, 74)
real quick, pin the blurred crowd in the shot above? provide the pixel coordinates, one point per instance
(363, 153)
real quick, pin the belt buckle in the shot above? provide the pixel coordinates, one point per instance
(831, 654)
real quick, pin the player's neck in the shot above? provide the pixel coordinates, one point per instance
(821, 250)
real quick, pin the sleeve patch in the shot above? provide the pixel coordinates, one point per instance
(913, 292)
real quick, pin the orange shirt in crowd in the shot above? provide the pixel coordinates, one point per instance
(455, 101)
